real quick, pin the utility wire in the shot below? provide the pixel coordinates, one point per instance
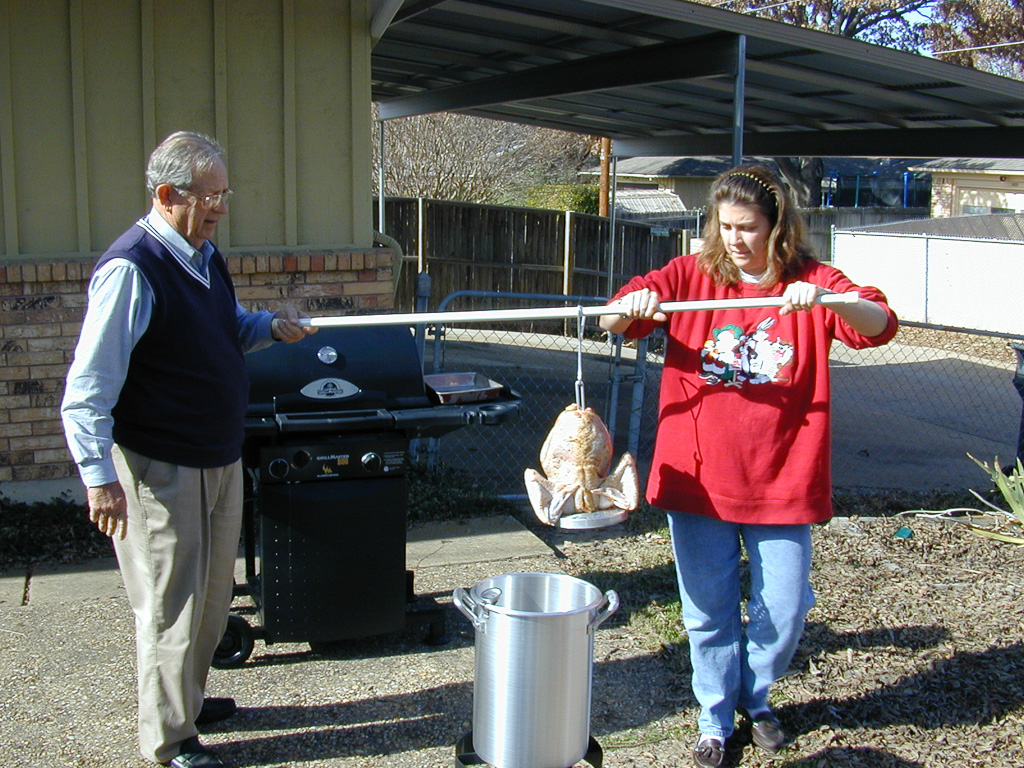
(978, 47)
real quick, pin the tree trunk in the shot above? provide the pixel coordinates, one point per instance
(804, 177)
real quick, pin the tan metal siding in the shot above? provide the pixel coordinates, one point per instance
(8, 194)
(256, 115)
(325, 142)
(87, 88)
(42, 127)
(113, 131)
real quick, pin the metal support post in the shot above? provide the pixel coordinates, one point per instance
(611, 229)
(739, 94)
(636, 405)
(422, 305)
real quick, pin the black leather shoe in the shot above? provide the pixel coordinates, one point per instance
(766, 732)
(709, 753)
(195, 755)
(214, 710)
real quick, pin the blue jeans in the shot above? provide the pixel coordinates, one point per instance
(734, 665)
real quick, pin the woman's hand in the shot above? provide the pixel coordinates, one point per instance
(643, 304)
(865, 317)
(801, 297)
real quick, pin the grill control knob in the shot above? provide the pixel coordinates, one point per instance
(301, 459)
(278, 468)
(372, 462)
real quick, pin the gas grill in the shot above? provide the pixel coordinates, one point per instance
(328, 433)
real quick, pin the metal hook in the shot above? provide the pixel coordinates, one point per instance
(581, 395)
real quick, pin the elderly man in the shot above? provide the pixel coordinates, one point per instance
(153, 413)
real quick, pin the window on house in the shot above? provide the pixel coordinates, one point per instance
(978, 210)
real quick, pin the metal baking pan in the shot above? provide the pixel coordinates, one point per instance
(463, 387)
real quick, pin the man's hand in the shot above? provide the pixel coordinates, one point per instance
(108, 509)
(285, 325)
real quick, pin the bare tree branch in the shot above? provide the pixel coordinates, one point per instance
(447, 156)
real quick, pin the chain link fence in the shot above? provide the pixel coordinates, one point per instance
(905, 417)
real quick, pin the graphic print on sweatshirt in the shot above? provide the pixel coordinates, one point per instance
(734, 358)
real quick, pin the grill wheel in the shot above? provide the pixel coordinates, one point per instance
(236, 645)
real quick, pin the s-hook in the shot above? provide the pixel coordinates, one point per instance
(581, 395)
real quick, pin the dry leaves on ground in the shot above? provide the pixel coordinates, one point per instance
(913, 655)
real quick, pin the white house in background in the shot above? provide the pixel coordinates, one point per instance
(970, 186)
(689, 178)
(648, 205)
(962, 272)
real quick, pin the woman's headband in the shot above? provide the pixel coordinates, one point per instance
(762, 182)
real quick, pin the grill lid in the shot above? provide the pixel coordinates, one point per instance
(357, 368)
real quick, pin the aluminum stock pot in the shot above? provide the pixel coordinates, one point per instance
(534, 655)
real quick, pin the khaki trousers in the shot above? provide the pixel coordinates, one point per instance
(177, 561)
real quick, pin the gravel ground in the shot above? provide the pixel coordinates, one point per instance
(912, 657)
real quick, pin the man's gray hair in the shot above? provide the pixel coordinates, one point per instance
(180, 158)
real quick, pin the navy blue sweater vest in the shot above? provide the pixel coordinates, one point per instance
(186, 392)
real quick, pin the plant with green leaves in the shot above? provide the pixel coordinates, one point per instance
(1009, 524)
(1011, 488)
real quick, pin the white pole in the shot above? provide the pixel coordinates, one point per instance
(381, 223)
(553, 313)
(421, 252)
(567, 254)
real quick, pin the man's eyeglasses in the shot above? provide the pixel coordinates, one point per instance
(209, 201)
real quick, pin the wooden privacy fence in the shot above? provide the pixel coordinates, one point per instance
(502, 249)
(464, 246)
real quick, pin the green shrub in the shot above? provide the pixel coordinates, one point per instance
(59, 531)
(582, 198)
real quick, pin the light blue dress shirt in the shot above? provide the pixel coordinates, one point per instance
(121, 304)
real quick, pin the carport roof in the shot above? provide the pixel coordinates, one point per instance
(659, 77)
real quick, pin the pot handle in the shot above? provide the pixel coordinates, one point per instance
(611, 605)
(471, 609)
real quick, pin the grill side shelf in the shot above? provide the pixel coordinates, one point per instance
(438, 421)
(333, 421)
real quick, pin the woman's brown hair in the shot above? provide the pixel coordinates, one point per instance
(756, 186)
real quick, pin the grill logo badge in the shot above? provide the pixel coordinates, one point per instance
(330, 389)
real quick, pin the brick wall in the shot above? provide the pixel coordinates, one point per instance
(41, 310)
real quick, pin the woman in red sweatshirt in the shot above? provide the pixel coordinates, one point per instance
(743, 447)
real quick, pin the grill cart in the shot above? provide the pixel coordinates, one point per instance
(327, 444)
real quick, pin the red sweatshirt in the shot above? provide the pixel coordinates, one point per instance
(743, 428)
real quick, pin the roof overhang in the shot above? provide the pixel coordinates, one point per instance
(668, 77)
